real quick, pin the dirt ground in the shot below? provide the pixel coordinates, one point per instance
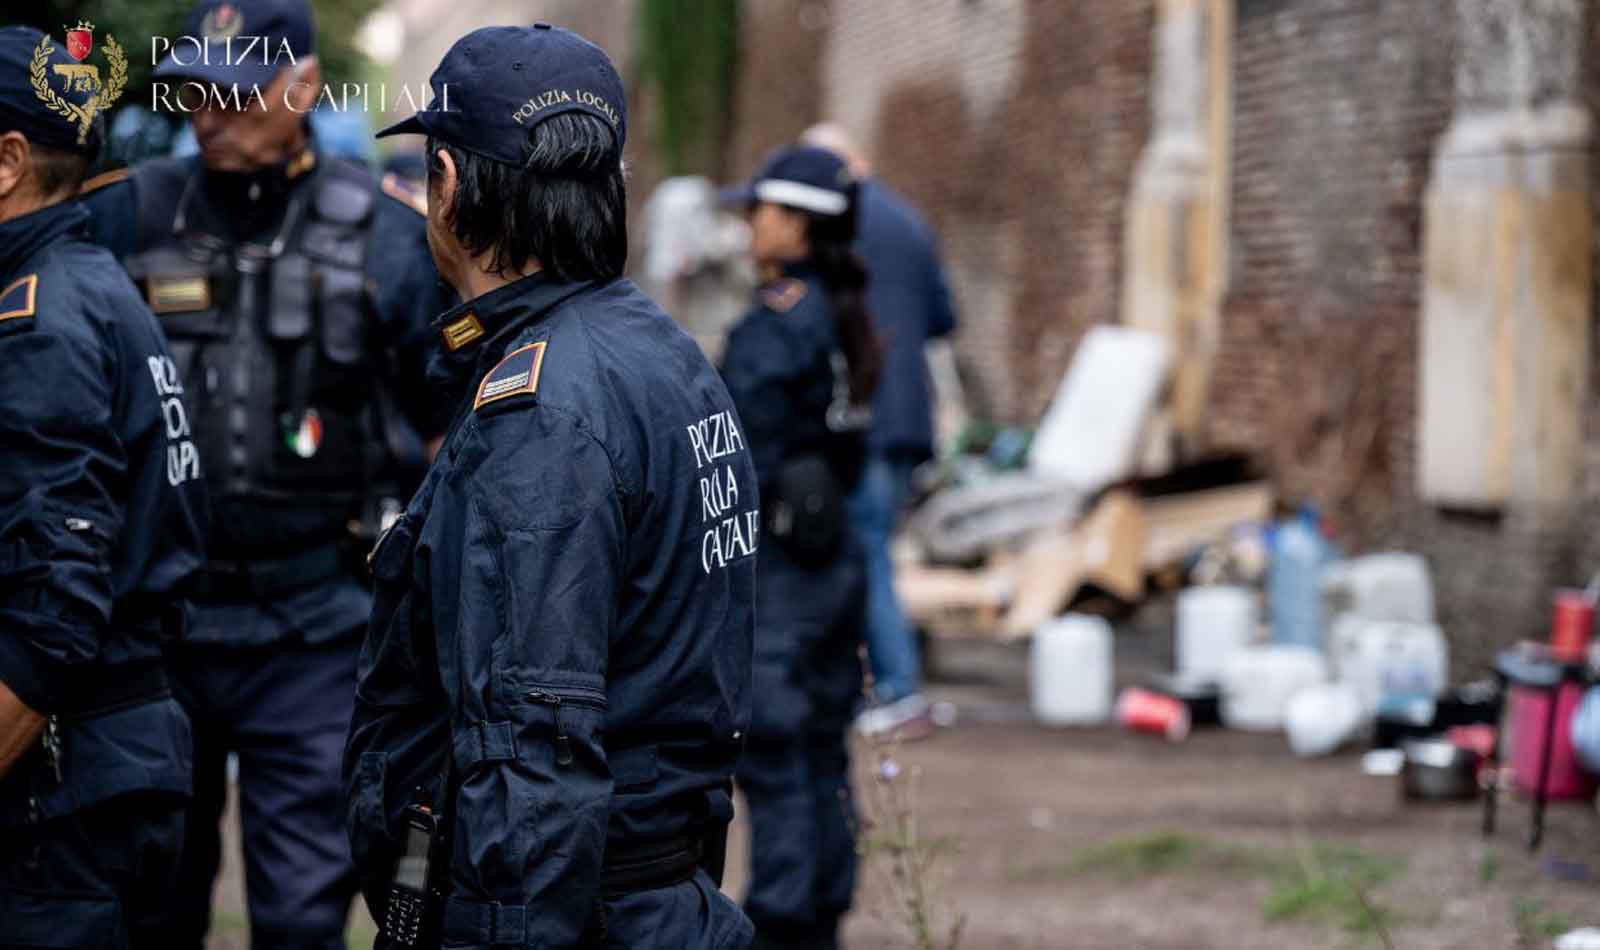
(1101, 839)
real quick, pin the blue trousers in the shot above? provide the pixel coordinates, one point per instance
(795, 772)
(891, 643)
(285, 710)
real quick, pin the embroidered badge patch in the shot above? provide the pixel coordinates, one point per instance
(516, 375)
(783, 295)
(305, 436)
(17, 300)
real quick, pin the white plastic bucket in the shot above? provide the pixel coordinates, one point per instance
(1259, 681)
(1213, 623)
(1070, 671)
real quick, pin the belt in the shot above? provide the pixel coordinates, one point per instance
(104, 689)
(265, 579)
(647, 867)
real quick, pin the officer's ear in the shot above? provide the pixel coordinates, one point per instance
(15, 160)
(442, 185)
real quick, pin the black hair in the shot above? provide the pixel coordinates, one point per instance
(566, 207)
(844, 273)
(59, 171)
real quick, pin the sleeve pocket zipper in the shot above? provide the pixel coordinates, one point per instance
(555, 699)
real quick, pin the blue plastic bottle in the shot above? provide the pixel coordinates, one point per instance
(1294, 580)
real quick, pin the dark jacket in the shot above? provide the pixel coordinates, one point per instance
(354, 272)
(102, 519)
(779, 368)
(910, 304)
(567, 605)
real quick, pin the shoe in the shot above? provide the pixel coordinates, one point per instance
(904, 720)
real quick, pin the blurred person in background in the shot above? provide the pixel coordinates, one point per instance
(102, 526)
(910, 303)
(558, 665)
(295, 291)
(802, 365)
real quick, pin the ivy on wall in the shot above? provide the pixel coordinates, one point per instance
(687, 50)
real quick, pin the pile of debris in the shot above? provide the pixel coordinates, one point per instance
(1090, 504)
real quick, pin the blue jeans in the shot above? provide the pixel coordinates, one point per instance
(891, 644)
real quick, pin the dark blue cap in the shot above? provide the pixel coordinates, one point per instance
(799, 176)
(239, 41)
(42, 98)
(497, 83)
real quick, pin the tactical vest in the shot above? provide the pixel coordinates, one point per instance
(270, 336)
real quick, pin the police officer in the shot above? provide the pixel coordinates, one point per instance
(802, 366)
(560, 644)
(288, 283)
(101, 524)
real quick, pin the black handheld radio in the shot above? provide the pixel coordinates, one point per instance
(416, 894)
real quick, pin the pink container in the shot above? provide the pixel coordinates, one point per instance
(1528, 710)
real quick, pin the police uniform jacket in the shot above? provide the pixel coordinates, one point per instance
(102, 520)
(780, 367)
(297, 301)
(567, 607)
(783, 369)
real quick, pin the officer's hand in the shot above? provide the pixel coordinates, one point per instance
(20, 727)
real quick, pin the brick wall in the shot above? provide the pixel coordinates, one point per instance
(1016, 124)
(1013, 124)
(1338, 104)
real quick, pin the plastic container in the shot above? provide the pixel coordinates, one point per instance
(1393, 667)
(1571, 625)
(1294, 581)
(1258, 682)
(1586, 731)
(1321, 718)
(1391, 586)
(1091, 432)
(1527, 712)
(1213, 622)
(1070, 671)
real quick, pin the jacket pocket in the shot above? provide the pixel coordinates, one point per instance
(571, 708)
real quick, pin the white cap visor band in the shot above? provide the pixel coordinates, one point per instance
(800, 195)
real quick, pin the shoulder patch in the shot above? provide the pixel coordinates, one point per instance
(17, 300)
(783, 295)
(516, 375)
(103, 179)
(400, 190)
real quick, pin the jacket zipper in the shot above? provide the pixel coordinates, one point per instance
(554, 700)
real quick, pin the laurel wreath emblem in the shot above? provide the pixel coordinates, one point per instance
(101, 100)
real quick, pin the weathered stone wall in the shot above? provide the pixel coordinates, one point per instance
(1015, 125)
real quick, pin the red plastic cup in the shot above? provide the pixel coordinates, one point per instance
(1571, 625)
(1144, 711)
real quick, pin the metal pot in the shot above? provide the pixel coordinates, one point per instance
(1437, 769)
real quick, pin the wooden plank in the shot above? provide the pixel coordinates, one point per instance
(1177, 524)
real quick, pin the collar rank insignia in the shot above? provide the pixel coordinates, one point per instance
(463, 331)
(516, 375)
(17, 300)
(782, 295)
